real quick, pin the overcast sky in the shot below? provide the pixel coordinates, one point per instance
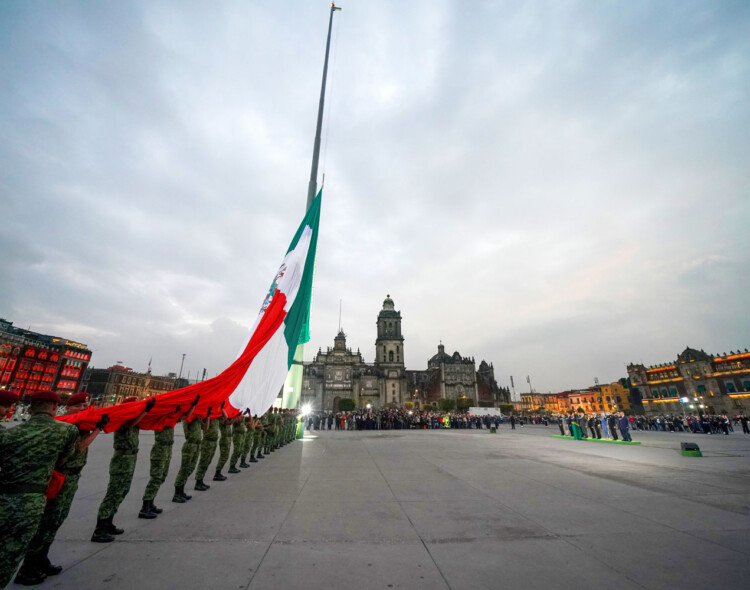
(559, 188)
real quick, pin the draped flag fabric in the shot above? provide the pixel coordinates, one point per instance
(254, 379)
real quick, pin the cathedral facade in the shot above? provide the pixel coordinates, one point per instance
(339, 373)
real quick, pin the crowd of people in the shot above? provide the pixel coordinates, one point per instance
(41, 460)
(613, 426)
(397, 419)
(692, 423)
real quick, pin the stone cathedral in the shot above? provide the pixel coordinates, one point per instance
(338, 373)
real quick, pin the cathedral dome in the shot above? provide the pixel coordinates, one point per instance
(389, 309)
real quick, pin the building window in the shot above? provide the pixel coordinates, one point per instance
(730, 387)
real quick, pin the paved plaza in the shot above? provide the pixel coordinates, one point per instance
(431, 509)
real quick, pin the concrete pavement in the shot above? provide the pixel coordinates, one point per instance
(431, 509)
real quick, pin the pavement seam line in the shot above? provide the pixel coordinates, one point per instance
(427, 549)
(286, 517)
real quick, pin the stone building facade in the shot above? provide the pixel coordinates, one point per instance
(339, 373)
(110, 386)
(697, 382)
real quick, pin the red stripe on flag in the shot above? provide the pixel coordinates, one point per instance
(212, 391)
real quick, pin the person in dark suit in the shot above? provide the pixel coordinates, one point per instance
(624, 424)
(612, 423)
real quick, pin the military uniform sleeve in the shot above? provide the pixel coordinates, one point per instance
(70, 438)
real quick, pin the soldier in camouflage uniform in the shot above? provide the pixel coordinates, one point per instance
(161, 457)
(288, 426)
(267, 432)
(56, 511)
(257, 430)
(276, 422)
(193, 430)
(238, 441)
(225, 445)
(28, 455)
(208, 448)
(121, 469)
(247, 443)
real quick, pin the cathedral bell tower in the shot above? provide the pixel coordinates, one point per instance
(389, 353)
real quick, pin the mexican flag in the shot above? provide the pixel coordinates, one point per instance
(283, 322)
(257, 375)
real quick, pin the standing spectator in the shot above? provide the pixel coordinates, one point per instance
(624, 425)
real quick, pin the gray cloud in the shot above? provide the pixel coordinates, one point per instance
(559, 188)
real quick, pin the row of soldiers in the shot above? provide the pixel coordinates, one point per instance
(41, 461)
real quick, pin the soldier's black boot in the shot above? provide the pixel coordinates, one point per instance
(112, 529)
(154, 508)
(45, 565)
(101, 535)
(200, 486)
(233, 469)
(253, 459)
(179, 496)
(30, 575)
(219, 477)
(179, 492)
(261, 455)
(146, 511)
(243, 464)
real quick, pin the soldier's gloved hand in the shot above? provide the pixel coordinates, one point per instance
(247, 411)
(176, 410)
(222, 404)
(150, 404)
(196, 400)
(208, 413)
(103, 421)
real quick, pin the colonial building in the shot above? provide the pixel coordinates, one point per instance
(338, 373)
(30, 361)
(697, 382)
(111, 385)
(607, 398)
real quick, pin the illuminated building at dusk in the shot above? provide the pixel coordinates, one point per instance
(697, 382)
(30, 361)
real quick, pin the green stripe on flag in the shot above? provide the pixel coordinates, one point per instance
(297, 322)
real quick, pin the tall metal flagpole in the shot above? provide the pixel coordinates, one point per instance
(312, 188)
(293, 385)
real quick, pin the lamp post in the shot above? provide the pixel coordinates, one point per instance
(683, 401)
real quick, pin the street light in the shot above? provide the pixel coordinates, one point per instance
(683, 402)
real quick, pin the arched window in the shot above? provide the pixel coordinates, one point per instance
(390, 356)
(730, 387)
(746, 385)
